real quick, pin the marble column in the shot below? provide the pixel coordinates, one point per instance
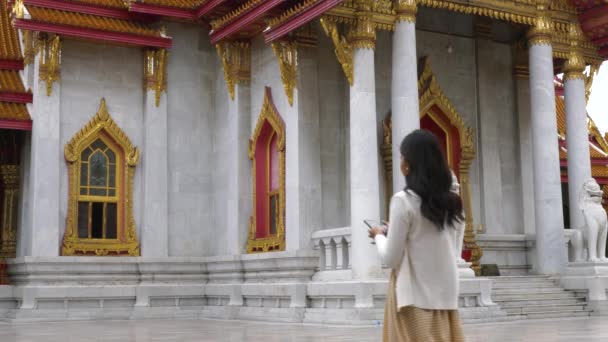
(238, 189)
(43, 231)
(551, 254)
(577, 138)
(364, 173)
(154, 229)
(404, 87)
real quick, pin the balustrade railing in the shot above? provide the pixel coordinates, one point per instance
(334, 248)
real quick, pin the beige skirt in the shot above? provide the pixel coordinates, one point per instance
(411, 324)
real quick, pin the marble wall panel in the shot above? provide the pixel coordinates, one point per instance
(499, 140)
(191, 87)
(333, 116)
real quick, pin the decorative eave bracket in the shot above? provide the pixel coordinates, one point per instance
(344, 51)
(287, 56)
(155, 72)
(236, 62)
(50, 61)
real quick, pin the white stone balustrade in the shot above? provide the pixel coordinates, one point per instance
(334, 248)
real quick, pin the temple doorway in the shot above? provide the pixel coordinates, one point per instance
(438, 115)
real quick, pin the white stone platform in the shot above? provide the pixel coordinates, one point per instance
(269, 287)
(590, 278)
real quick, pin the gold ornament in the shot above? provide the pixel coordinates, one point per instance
(8, 225)
(344, 51)
(575, 64)
(236, 61)
(541, 32)
(30, 46)
(155, 72)
(50, 61)
(287, 55)
(406, 10)
(363, 34)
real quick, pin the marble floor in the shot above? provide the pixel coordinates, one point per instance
(579, 330)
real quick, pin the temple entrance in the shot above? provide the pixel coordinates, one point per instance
(439, 116)
(11, 143)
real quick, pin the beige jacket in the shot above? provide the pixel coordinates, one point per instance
(423, 256)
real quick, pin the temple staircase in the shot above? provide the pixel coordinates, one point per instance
(536, 297)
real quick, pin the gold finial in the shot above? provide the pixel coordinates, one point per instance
(103, 110)
(19, 9)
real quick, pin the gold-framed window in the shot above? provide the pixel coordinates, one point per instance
(101, 165)
(267, 153)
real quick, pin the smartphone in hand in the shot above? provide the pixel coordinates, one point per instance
(373, 223)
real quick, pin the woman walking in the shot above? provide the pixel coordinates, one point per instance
(425, 218)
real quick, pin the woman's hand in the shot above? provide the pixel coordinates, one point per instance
(375, 231)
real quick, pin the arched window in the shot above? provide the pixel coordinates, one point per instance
(267, 152)
(99, 197)
(101, 162)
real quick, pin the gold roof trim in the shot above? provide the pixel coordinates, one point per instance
(11, 81)
(288, 14)
(182, 4)
(105, 3)
(90, 21)
(13, 111)
(9, 41)
(234, 14)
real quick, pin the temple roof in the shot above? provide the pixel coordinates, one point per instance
(593, 16)
(13, 95)
(41, 14)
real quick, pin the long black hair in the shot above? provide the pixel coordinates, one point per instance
(430, 178)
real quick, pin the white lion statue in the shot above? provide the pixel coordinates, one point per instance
(460, 226)
(596, 222)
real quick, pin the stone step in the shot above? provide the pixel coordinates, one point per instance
(557, 314)
(531, 302)
(532, 296)
(525, 283)
(521, 278)
(513, 285)
(544, 308)
(528, 291)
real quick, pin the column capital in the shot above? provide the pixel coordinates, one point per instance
(406, 10)
(575, 65)
(540, 34)
(363, 34)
